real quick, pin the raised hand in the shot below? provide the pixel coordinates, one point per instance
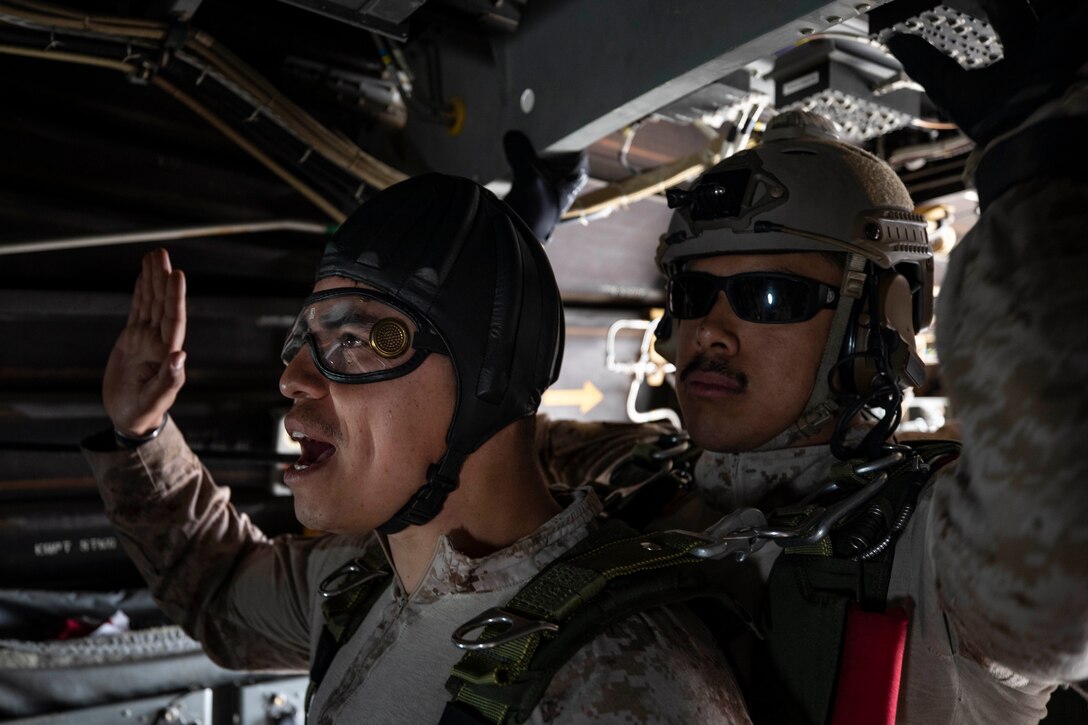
(147, 366)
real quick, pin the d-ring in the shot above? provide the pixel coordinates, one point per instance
(346, 578)
(518, 627)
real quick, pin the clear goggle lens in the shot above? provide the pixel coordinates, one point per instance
(359, 336)
(766, 297)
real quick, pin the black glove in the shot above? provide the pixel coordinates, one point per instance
(1042, 55)
(543, 188)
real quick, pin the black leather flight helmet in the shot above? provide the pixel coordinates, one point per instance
(456, 255)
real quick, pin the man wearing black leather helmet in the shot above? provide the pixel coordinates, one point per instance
(414, 370)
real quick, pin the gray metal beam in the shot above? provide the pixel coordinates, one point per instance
(577, 70)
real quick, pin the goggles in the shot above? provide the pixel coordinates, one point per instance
(361, 336)
(765, 297)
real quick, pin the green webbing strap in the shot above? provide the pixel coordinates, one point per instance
(804, 618)
(809, 590)
(820, 548)
(345, 611)
(610, 575)
(359, 583)
(645, 483)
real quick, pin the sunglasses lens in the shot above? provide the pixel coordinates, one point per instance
(755, 297)
(690, 296)
(767, 298)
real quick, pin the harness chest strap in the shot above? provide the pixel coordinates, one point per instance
(610, 575)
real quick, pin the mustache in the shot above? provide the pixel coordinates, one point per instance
(329, 430)
(703, 364)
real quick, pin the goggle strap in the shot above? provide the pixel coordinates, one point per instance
(429, 341)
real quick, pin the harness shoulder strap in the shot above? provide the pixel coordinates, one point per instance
(811, 590)
(348, 594)
(612, 574)
(649, 480)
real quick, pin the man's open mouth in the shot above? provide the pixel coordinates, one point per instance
(314, 451)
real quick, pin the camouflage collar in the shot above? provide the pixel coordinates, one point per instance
(452, 572)
(727, 481)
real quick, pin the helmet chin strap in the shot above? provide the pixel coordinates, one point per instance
(822, 405)
(427, 502)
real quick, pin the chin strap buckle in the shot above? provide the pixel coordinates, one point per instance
(427, 502)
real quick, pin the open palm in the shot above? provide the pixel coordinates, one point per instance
(146, 368)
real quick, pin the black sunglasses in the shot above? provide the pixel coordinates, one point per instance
(767, 297)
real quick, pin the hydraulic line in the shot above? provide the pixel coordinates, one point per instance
(206, 54)
(224, 128)
(657, 180)
(941, 149)
(63, 57)
(269, 163)
(161, 235)
(636, 188)
(268, 99)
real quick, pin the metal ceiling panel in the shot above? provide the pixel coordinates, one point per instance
(387, 17)
(577, 71)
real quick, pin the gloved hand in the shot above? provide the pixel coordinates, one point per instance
(146, 368)
(544, 187)
(1041, 56)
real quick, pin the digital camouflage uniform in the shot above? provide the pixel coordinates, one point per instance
(993, 567)
(254, 604)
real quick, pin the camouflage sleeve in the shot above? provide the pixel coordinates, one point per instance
(245, 598)
(574, 452)
(655, 667)
(1008, 527)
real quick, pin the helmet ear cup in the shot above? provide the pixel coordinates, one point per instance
(892, 338)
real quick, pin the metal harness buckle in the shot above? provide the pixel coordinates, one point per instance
(752, 531)
(518, 627)
(353, 574)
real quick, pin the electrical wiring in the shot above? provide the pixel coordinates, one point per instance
(268, 99)
(629, 133)
(396, 65)
(42, 14)
(302, 188)
(161, 235)
(65, 57)
(941, 149)
(203, 51)
(746, 125)
(224, 128)
(833, 35)
(934, 125)
(641, 186)
(655, 181)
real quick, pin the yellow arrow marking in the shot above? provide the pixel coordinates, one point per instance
(586, 398)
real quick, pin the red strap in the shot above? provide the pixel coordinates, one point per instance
(870, 666)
